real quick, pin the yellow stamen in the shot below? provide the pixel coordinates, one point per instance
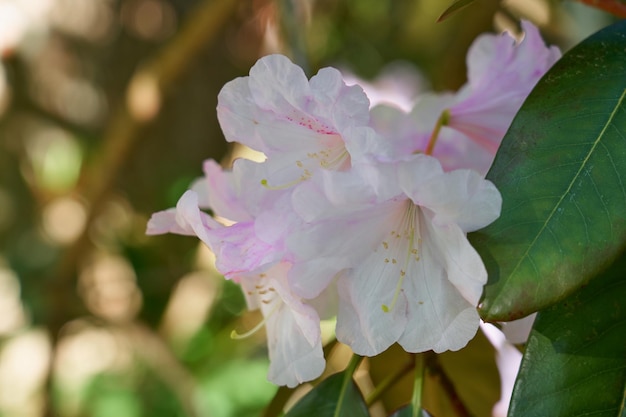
(302, 178)
(237, 336)
(410, 218)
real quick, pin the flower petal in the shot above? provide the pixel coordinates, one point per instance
(439, 318)
(293, 333)
(461, 197)
(361, 322)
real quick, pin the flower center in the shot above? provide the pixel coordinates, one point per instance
(404, 244)
(332, 156)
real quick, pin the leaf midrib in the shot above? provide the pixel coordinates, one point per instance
(571, 184)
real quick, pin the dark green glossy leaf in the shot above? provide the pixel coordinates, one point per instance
(408, 412)
(575, 360)
(453, 8)
(561, 170)
(336, 396)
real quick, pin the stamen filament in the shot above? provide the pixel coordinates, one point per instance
(410, 216)
(337, 160)
(443, 120)
(386, 308)
(236, 336)
(302, 178)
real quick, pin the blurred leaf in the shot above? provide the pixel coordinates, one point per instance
(561, 170)
(408, 412)
(575, 361)
(616, 7)
(393, 361)
(453, 8)
(237, 388)
(474, 374)
(336, 396)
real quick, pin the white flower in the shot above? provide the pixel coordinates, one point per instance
(413, 276)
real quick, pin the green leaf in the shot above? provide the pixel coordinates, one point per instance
(575, 360)
(453, 8)
(409, 412)
(336, 396)
(561, 170)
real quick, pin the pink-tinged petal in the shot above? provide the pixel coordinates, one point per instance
(300, 125)
(333, 100)
(455, 151)
(185, 219)
(279, 85)
(414, 174)
(349, 236)
(164, 222)
(310, 278)
(373, 308)
(501, 74)
(238, 250)
(459, 197)
(334, 193)
(293, 328)
(219, 191)
(277, 222)
(403, 133)
(305, 316)
(292, 359)
(188, 214)
(239, 115)
(365, 145)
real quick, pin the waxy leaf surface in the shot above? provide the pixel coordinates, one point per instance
(561, 170)
(336, 396)
(575, 360)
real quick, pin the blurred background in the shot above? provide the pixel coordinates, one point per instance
(107, 110)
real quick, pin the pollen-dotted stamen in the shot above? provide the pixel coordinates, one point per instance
(267, 295)
(259, 326)
(410, 219)
(304, 177)
(334, 159)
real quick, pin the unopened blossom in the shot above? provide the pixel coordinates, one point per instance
(464, 129)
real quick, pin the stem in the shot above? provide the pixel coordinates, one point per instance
(444, 119)
(353, 364)
(387, 383)
(418, 384)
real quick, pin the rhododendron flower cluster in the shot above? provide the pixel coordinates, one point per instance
(357, 213)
